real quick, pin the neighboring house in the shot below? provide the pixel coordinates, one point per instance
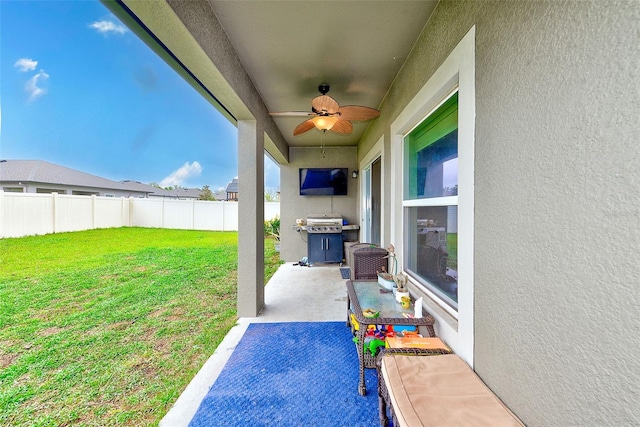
(176, 193)
(220, 194)
(232, 190)
(38, 176)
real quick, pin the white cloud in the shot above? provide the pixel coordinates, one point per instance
(178, 176)
(106, 27)
(26, 64)
(32, 87)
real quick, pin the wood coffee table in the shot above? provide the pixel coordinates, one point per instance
(367, 294)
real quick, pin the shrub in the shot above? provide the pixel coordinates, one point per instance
(272, 228)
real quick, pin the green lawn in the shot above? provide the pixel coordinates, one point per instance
(107, 327)
(452, 249)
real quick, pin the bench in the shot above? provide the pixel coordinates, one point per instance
(435, 388)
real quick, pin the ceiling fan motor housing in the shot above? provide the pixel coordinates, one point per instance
(323, 88)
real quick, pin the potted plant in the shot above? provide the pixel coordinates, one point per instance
(401, 285)
(385, 279)
(272, 229)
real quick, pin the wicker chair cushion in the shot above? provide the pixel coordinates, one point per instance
(441, 391)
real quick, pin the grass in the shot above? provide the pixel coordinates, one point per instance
(452, 249)
(107, 327)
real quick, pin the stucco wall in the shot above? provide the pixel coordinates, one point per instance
(294, 246)
(557, 212)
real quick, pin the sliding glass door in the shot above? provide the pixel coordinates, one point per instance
(371, 202)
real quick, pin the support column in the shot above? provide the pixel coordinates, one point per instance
(250, 218)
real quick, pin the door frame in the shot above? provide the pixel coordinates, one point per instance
(375, 154)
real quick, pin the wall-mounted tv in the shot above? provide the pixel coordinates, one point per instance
(323, 181)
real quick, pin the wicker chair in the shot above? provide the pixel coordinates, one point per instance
(365, 260)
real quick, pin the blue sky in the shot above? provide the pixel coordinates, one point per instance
(80, 90)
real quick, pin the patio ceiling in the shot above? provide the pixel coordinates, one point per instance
(236, 52)
(290, 47)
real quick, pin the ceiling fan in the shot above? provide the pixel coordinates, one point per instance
(327, 114)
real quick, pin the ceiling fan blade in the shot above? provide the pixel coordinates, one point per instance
(342, 126)
(324, 103)
(357, 112)
(303, 127)
(292, 114)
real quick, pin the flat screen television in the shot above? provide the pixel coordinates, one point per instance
(323, 181)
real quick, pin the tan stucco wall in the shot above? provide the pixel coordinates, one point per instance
(294, 245)
(557, 212)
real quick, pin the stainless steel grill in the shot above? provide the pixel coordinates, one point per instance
(329, 223)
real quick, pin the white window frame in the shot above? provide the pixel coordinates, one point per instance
(458, 70)
(431, 201)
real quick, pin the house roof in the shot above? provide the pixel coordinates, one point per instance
(180, 193)
(232, 187)
(185, 193)
(39, 171)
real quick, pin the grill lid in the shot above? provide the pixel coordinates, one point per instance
(329, 223)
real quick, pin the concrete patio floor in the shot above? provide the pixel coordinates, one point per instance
(294, 294)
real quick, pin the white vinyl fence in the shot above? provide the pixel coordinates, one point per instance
(25, 214)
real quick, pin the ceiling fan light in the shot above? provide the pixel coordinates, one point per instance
(324, 122)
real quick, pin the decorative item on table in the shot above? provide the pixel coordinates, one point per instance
(405, 302)
(418, 309)
(370, 313)
(385, 279)
(401, 285)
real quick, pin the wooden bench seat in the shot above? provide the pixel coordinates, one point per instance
(423, 388)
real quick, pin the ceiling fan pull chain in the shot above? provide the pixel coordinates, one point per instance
(324, 132)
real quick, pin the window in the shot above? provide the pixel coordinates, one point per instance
(427, 196)
(84, 193)
(430, 201)
(50, 191)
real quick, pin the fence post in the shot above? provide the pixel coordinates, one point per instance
(1, 213)
(193, 214)
(131, 203)
(123, 211)
(54, 197)
(93, 211)
(224, 222)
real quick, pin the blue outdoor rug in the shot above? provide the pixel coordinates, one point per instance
(291, 374)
